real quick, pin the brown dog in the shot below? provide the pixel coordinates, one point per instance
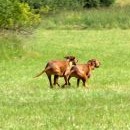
(59, 69)
(83, 71)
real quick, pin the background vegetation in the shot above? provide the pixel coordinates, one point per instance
(19, 15)
(15, 14)
(89, 19)
(101, 32)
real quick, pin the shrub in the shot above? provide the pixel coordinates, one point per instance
(14, 15)
(91, 3)
(67, 4)
(27, 18)
(106, 2)
(97, 3)
(35, 4)
(54, 4)
(63, 4)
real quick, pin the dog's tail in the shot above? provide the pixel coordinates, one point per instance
(39, 74)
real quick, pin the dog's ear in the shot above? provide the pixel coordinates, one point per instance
(90, 62)
(66, 57)
(72, 57)
(69, 57)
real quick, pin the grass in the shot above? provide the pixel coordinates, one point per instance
(11, 46)
(100, 18)
(27, 103)
(123, 2)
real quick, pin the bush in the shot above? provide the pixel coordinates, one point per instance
(67, 4)
(91, 3)
(63, 4)
(97, 3)
(54, 4)
(106, 2)
(27, 17)
(14, 15)
(35, 4)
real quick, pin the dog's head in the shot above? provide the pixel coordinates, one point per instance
(71, 59)
(94, 63)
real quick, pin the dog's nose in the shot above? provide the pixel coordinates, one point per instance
(98, 64)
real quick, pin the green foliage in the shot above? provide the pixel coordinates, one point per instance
(113, 17)
(44, 10)
(36, 4)
(14, 15)
(91, 3)
(27, 17)
(107, 2)
(68, 4)
(55, 4)
(64, 4)
(97, 3)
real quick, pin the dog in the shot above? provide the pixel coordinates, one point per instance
(83, 71)
(59, 68)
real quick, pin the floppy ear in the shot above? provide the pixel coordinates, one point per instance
(72, 57)
(69, 57)
(66, 57)
(90, 62)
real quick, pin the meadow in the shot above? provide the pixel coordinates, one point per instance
(27, 103)
(98, 18)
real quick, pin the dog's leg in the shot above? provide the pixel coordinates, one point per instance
(78, 80)
(56, 80)
(69, 80)
(84, 83)
(66, 82)
(49, 77)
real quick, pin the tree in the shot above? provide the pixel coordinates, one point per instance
(14, 14)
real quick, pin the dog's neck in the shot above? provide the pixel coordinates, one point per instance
(89, 67)
(70, 65)
(89, 70)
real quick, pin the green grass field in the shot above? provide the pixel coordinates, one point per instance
(29, 104)
(98, 18)
(123, 2)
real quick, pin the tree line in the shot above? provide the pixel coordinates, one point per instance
(16, 14)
